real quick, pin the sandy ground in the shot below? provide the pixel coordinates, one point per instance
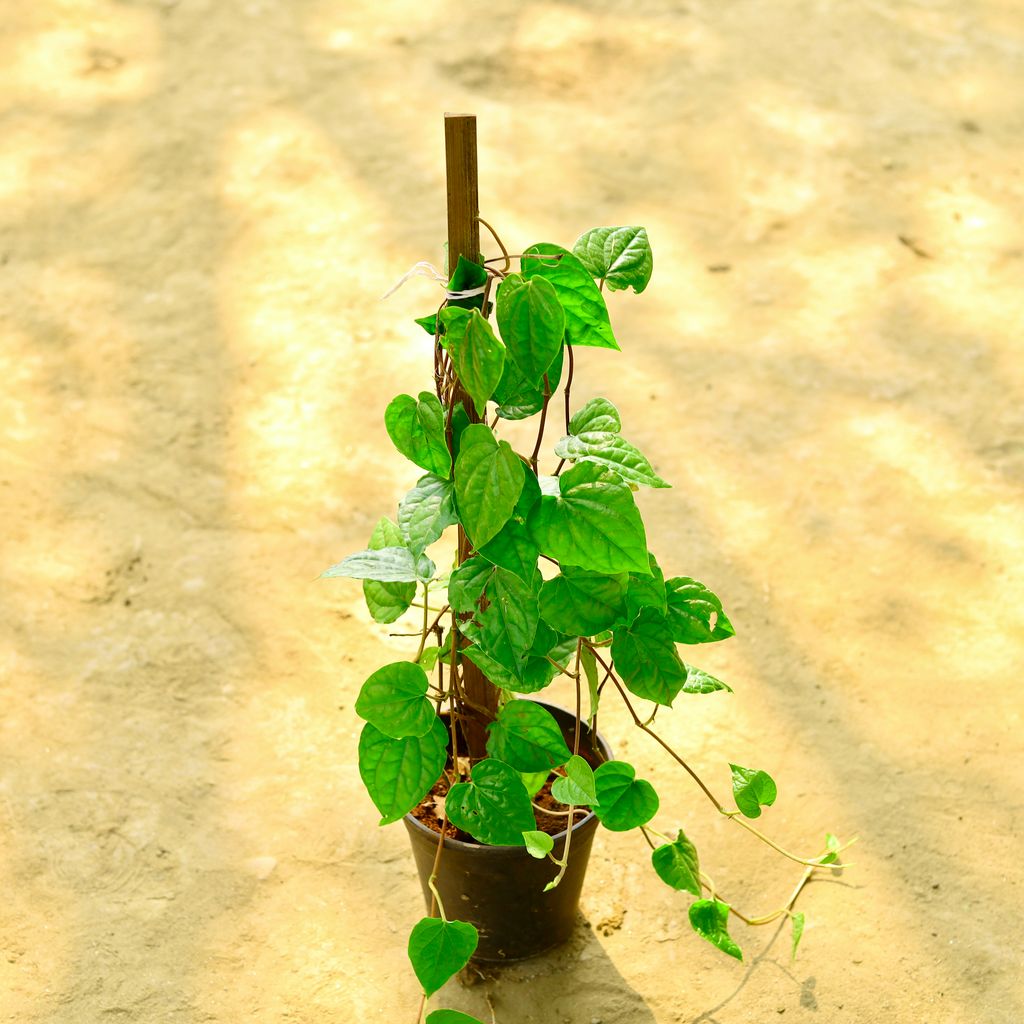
(200, 203)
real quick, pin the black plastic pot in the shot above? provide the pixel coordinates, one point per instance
(500, 889)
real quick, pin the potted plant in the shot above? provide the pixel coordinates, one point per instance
(551, 575)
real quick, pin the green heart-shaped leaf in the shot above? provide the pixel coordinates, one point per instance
(646, 659)
(389, 565)
(599, 415)
(417, 429)
(493, 807)
(695, 614)
(477, 355)
(709, 919)
(624, 801)
(532, 324)
(577, 786)
(678, 865)
(426, 511)
(398, 774)
(439, 949)
(538, 844)
(489, 479)
(394, 700)
(593, 523)
(620, 256)
(528, 737)
(613, 452)
(752, 790)
(387, 601)
(582, 603)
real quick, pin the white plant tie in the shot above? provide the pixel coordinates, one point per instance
(428, 270)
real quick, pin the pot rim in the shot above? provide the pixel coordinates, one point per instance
(412, 821)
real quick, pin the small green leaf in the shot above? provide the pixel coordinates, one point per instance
(752, 790)
(534, 781)
(593, 523)
(467, 276)
(678, 865)
(417, 429)
(699, 681)
(834, 847)
(646, 591)
(589, 663)
(387, 601)
(798, 931)
(646, 659)
(428, 659)
(477, 355)
(527, 736)
(599, 415)
(695, 613)
(613, 452)
(489, 478)
(624, 801)
(467, 582)
(394, 700)
(439, 949)
(532, 324)
(451, 1017)
(398, 774)
(517, 398)
(710, 919)
(428, 323)
(389, 565)
(513, 548)
(620, 256)
(577, 786)
(426, 512)
(586, 315)
(582, 603)
(493, 807)
(538, 844)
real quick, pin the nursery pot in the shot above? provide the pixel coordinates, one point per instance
(500, 889)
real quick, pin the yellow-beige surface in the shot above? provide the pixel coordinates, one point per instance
(200, 205)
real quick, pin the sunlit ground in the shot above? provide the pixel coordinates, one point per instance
(200, 205)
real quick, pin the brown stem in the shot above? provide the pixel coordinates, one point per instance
(568, 388)
(543, 418)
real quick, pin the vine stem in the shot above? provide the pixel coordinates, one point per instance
(732, 815)
(543, 418)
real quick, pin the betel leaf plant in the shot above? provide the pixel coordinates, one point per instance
(548, 574)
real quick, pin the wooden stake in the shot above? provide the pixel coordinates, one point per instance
(464, 240)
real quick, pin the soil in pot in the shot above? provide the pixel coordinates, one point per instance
(500, 889)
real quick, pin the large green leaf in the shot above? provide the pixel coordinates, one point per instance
(710, 919)
(612, 451)
(593, 523)
(752, 790)
(477, 354)
(646, 658)
(699, 681)
(389, 565)
(451, 1017)
(598, 415)
(646, 591)
(531, 674)
(438, 949)
(513, 548)
(620, 256)
(387, 601)
(578, 786)
(508, 617)
(623, 800)
(426, 511)
(694, 613)
(532, 324)
(586, 315)
(398, 774)
(493, 807)
(394, 701)
(581, 602)
(528, 737)
(417, 430)
(467, 582)
(489, 478)
(678, 865)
